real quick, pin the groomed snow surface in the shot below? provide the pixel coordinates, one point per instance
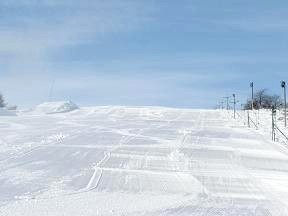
(139, 161)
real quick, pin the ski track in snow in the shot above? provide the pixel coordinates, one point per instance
(139, 161)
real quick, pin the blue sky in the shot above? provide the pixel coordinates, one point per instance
(187, 53)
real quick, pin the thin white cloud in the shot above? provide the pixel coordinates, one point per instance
(273, 20)
(29, 38)
(34, 38)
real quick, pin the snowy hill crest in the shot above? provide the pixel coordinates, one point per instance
(55, 107)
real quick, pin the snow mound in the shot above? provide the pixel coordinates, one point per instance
(56, 107)
(5, 112)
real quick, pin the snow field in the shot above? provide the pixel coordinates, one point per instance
(139, 161)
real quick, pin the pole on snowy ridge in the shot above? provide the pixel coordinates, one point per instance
(252, 94)
(273, 123)
(234, 102)
(283, 85)
(248, 119)
(222, 104)
(51, 90)
(227, 102)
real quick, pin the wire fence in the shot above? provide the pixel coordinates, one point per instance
(282, 133)
(265, 121)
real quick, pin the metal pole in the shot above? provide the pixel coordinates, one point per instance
(248, 119)
(227, 102)
(234, 102)
(252, 96)
(273, 123)
(283, 85)
(51, 90)
(285, 106)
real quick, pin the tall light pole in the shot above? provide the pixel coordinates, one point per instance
(252, 95)
(234, 102)
(51, 90)
(273, 123)
(227, 102)
(222, 104)
(283, 85)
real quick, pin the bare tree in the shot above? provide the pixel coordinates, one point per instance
(276, 100)
(263, 100)
(260, 96)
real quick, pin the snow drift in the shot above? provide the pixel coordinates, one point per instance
(56, 107)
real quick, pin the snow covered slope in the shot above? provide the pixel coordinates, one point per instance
(139, 161)
(55, 107)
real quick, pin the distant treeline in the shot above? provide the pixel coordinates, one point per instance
(263, 100)
(4, 104)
